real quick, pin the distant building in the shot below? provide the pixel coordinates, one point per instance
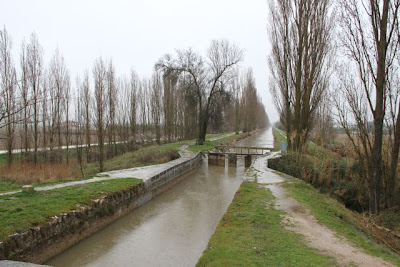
(72, 125)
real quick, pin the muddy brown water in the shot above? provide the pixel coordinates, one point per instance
(170, 230)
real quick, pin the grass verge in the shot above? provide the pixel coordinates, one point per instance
(251, 234)
(212, 144)
(279, 137)
(45, 174)
(8, 187)
(23, 210)
(337, 217)
(144, 156)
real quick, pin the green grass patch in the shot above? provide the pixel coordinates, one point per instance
(87, 177)
(212, 136)
(279, 137)
(251, 234)
(144, 156)
(23, 210)
(208, 145)
(337, 217)
(8, 187)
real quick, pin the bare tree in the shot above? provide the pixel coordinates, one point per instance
(45, 95)
(24, 88)
(35, 70)
(370, 42)
(300, 34)
(206, 75)
(67, 103)
(112, 94)
(100, 105)
(324, 124)
(237, 92)
(393, 124)
(80, 115)
(8, 105)
(156, 104)
(59, 87)
(85, 97)
(134, 83)
(142, 107)
(169, 92)
(252, 110)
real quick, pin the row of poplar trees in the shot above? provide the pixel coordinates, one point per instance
(44, 112)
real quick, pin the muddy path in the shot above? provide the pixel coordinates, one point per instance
(299, 219)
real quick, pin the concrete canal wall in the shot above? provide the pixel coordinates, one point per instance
(41, 243)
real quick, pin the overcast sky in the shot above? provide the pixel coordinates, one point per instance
(136, 33)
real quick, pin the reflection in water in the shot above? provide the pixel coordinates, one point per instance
(170, 230)
(263, 139)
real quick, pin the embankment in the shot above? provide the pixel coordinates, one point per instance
(40, 243)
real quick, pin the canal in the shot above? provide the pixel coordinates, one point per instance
(170, 230)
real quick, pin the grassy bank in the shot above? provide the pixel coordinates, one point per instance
(251, 234)
(327, 171)
(47, 174)
(279, 137)
(337, 217)
(23, 210)
(144, 156)
(40, 174)
(208, 145)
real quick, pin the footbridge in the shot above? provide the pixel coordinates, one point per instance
(220, 154)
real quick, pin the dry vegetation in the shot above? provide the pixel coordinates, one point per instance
(21, 172)
(28, 173)
(341, 175)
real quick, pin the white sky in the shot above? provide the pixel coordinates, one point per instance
(136, 33)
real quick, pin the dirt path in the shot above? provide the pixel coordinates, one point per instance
(299, 219)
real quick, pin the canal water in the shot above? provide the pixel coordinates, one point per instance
(170, 230)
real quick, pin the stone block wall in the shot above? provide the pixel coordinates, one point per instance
(39, 244)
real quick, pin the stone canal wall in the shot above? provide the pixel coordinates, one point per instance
(41, 243)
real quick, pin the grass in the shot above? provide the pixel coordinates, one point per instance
(335, 216)
(251, 234)
(27, 209)
(44, 174)
(144, 156)
(28, 172)
(7, 187)
(208, 145)
(87, 177)
(279, 137)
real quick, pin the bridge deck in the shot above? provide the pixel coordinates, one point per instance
(237, 150)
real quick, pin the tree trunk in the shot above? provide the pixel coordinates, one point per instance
(393, 164)
(203, 121)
